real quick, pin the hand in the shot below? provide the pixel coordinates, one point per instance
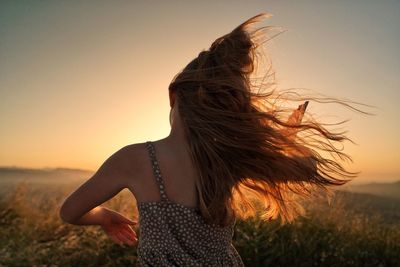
(116, 226)
(295, 119)
(297, 114)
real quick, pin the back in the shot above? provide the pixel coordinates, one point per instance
(172, 232)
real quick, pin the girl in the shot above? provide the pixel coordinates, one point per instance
(229, 147)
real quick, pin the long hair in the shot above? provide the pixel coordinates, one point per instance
(238, 138)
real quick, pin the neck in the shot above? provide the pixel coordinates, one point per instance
(176, 139)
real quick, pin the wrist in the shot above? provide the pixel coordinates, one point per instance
(105, 217)
(95, 216)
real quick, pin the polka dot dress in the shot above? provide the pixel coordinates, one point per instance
(172, 234)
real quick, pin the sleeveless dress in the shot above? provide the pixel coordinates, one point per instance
(172, 234)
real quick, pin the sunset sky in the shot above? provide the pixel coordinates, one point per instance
(79, 80)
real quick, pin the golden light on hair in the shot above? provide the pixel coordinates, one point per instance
(240, 139)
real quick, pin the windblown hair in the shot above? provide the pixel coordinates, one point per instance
(240, 141)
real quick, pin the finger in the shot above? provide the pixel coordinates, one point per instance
(129, 231)
(130, 234)
(294, 118)
(301, 115)
(125, 239)
(128, 228)
(129, 221)
(123, 219)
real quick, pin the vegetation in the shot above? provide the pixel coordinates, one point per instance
(341, 234)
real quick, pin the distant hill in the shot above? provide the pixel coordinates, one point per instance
(391, 190)
(46, 180)
(366, 203)
(29, 173)
(13, 175)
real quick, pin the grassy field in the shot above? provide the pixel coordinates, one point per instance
(355, 230)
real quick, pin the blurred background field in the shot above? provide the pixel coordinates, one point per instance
(360, 227)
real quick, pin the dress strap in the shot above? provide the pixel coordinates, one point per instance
(156, 170)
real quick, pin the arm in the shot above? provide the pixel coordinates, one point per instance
(295, 119)
(301, 154)
(82, 206)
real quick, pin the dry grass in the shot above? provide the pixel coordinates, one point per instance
(32, 234)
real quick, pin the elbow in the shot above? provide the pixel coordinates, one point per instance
(63, 214)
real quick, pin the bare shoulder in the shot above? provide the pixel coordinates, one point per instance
(133, 158)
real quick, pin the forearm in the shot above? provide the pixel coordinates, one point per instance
(93, 217)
